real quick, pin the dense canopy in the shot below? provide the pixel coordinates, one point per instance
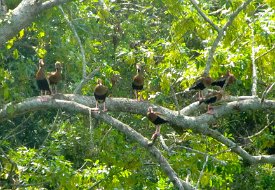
(60, 141)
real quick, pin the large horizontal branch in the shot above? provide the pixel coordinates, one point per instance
(22, 16)
(34, 104)
(198, 124)
(228, 106)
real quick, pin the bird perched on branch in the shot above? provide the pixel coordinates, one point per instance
(210, 99)
(41, 79)
(225, 80)
(100, 93)
(201, 84)
(55, 77)
(156, 118)
(138, 82)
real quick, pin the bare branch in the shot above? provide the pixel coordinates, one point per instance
(254, 68)
(85, 80)
(221, 34)
(202, 170)
(195, 4)
(258, 133)
(235, 14)
(199, 152)
(84, 63)
(212, 52)
(267, 91)
(175, 99)
(268, 51)
(164, 144)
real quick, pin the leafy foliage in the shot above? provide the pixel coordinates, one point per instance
(57, 150)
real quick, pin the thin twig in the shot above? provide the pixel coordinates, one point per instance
(175, 99)
(12, 132)
(103, 138)
(202, 153)
(79, 42)
(163, 143)
(273, 47)
(258, 133)
(79, 169)
(165, 146)
(266, 92)
(96, 183)
(202, 170)
(223, 151)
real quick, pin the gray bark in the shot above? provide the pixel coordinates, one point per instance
(22, 16)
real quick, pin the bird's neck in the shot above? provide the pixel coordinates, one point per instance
(41, 69)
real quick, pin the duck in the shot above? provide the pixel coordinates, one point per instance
(41, 80)
(210, 99)
(201, 84)
(157, 119)
(100, 93)
(221, 82)
(55, 77)
(138, 82)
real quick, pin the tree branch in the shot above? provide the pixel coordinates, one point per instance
(195, 4)
(197, 124)
(221, 34)
(199, 152)
(85, 80)
(202, 170)
(271, 49)
(22, 16)
(84, 63)
(267, 91)
(33, 104)
(259, 132)
(254, 68)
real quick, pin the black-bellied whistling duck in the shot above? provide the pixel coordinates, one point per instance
(55, 77)
(157, 119)
(138, 81)
(221, 81)
(41, 79)
(201, 84)
(210, 99)
(100, 94)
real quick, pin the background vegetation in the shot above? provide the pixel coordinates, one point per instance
(55, 149)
